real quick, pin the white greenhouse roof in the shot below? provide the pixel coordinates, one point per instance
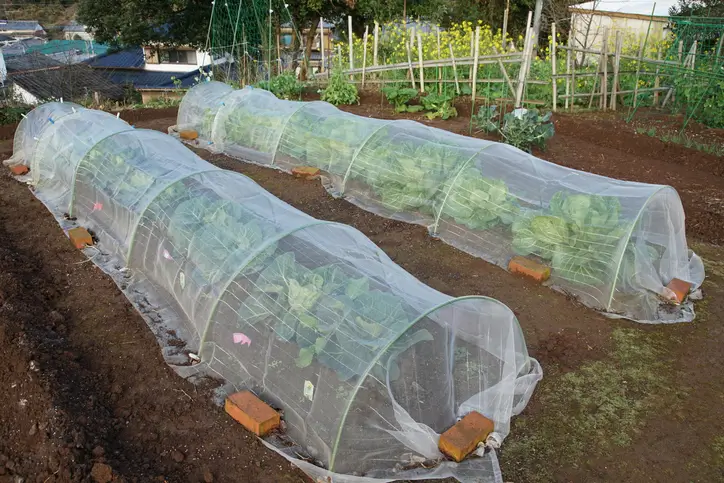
(634, 7)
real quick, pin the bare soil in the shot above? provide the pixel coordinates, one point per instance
(88, 396)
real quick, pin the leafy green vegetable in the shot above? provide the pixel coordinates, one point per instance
(284, 86)
(339, 91)
(400, 96)
(579, 235)
(525, 128)
(341, 321)
(439, 105)
(478, 202)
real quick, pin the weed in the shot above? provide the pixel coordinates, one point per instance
(600, 406)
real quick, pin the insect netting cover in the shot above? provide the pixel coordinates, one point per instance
(29, 128)
(613, 244)
(368, 364)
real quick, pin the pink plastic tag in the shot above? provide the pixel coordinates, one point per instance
(242, 339)
(97, 206)
(167, 255)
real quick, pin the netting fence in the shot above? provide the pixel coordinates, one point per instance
(369, 364)
(613, 244)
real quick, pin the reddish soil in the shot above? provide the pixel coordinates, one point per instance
(98, 392)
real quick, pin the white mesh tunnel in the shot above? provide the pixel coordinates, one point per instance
(613, 244)
(368, 363)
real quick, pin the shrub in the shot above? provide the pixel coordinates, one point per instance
(339, 91)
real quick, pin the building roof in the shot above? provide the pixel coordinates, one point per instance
(629, 7)
(20, 47)
(59, 46)
(20, 26)
(36, 61)
(5, 38)
(70, 82)
(125, 59)
(145, 79)
(74, 27)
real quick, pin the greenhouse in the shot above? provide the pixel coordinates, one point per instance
(368, 364)
(615, 245)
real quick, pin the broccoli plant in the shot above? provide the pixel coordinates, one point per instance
(284, 86)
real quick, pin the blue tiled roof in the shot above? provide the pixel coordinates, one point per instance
(74, 27)
(144, 79)
(125, 59)
(20, 25)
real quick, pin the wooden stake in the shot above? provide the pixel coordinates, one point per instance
(364, 55)
(351, 53)
(616, 68)
(455, 69)
(693, 54)
(656, 79)
(419, 57)
(553, 67)
(595, 84)
(439, 69)
(409, 65)
(377, 35)
(321, 43)
(279, 54)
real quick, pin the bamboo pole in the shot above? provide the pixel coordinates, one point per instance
(595, 84)
(321, 44)
(377, 35)
(656, 79)
(409, 65)
(506, 77)
(455, 69)
(638, 72)
(616, 69)
(523, 66)
(474, 75)
(504, 34)
(693, 55)
(573, 67)
(604, 79)
(439, 69)
(364, 55)
(554, 80)
(351, 53)
(279, 54)
(419, 57)
(568, 64)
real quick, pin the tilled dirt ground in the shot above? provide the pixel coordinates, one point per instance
(86, 395)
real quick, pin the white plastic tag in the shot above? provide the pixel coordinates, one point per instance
(309, 390)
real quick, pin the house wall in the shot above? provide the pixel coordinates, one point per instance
(24, 34)
(24, 96)
(152, 56)
(590, 27)
(80, 35)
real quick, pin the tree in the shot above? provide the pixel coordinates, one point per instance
(137, 22)
(698, 8)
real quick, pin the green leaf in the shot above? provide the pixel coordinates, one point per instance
(306, 355)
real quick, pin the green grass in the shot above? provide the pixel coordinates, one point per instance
(598, 407)
(684, 140)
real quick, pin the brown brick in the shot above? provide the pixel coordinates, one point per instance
(19, 169)
(680, 289)
(529, 268)
(462, 439)
(253, 413)
(306, 172)
(188, 135)
(80, 237)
